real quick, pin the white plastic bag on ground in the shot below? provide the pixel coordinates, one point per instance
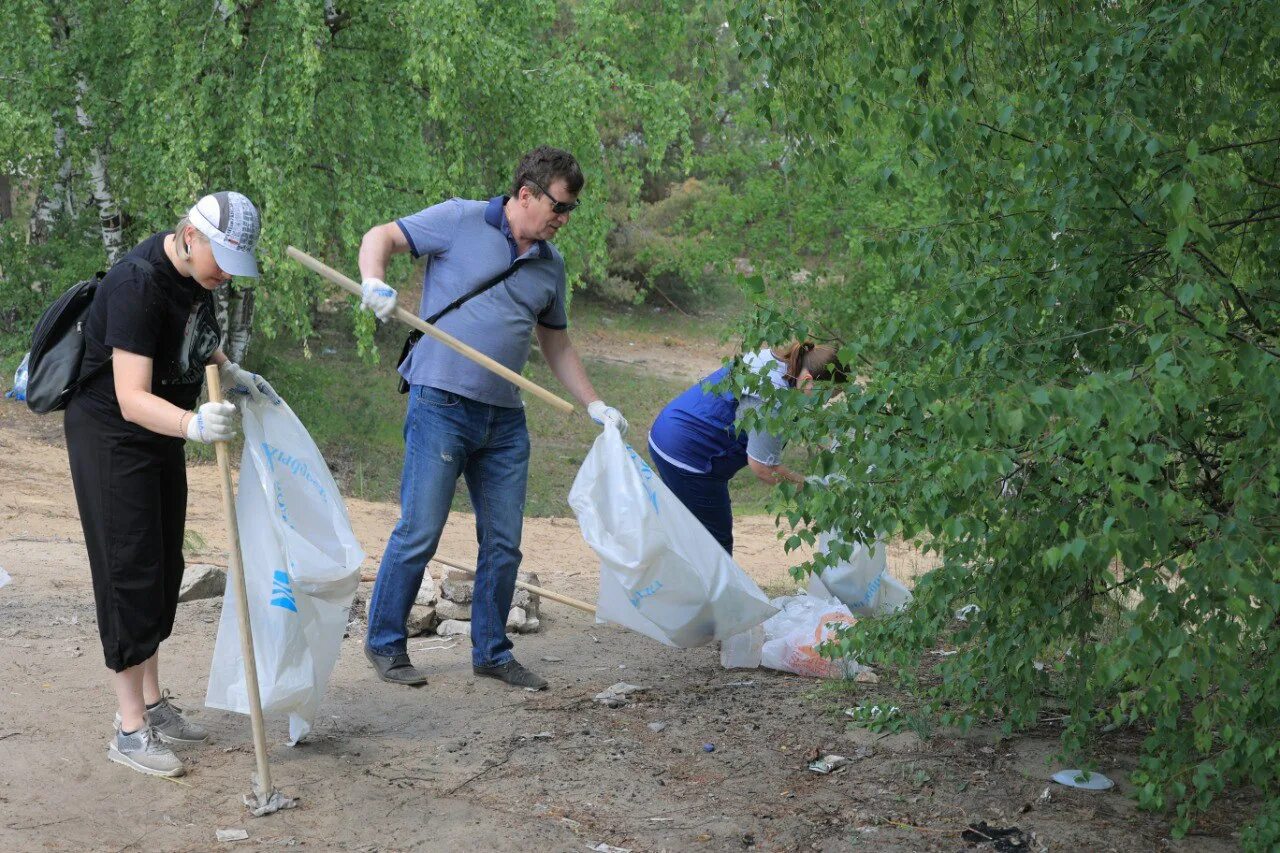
(742, 651)
(792, 636)
(661, 573)
(301, 569)
(862, 583)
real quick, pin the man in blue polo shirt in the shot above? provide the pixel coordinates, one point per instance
(464, 420)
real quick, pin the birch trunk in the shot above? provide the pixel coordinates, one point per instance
(234, 308)
(51, 202)
(110, 222)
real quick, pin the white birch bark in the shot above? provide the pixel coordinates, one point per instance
(110, 222)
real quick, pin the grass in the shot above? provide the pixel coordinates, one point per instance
(354, 414)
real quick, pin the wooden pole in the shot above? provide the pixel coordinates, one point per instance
(448, 340)
(236, 570)
(537, 590)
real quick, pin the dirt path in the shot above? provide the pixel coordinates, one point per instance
(457, 766)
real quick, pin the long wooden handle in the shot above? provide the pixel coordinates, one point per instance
(448, 340)
(545, 593)
(236, 570)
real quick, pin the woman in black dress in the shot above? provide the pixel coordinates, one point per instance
(149, 334)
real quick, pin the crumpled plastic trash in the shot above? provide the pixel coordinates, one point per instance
(829, 764)
(616, 696)
(1076, 779)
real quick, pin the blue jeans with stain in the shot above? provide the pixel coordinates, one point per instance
(447, 436)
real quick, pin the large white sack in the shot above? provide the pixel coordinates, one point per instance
(661, 573)
(301, 569)
(792, 637)
(862, 583)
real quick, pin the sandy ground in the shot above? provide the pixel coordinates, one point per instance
(455, 766)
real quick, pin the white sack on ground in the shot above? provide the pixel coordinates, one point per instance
(862, 583)
(792, 636)
(301, 569)
(661, 573)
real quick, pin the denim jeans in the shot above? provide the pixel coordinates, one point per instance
(705, 495)
(447, 435)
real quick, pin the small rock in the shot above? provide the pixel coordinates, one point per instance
(446, 609)
(552, 659)
(454, 628)
(457, 586)
(202, 581)
(657, 726)
(515, 619)
(531, 625)
(421, 620)
(427, 592)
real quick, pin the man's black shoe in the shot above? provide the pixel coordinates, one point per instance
(396, 669)
(513, 673)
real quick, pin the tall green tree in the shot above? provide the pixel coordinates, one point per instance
(1080, 413)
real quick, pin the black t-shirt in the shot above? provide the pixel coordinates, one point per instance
(165, 316)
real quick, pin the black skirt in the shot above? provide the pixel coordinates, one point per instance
(131, 489)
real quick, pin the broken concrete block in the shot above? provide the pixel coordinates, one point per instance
(427, 592)
(447, 609)
(516, 619)
(531, 625)
(421, 620)
(529, 601)
(202, 581)
(457, 586)
(454, 628)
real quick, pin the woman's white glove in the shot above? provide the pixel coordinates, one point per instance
(237, 380)
(607, 415)
(213, 422)
(379, 297)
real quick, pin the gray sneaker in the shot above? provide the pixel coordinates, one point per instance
(143, 751)
(166, 718)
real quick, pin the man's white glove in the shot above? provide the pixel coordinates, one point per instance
(213, 422)
(607, 415)
(237, 380)
(379, 297)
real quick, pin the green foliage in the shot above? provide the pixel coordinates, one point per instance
(1079, 409)
(335, 122)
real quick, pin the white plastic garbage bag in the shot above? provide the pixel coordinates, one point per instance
(862, 583)
(792, 636)
(301, 569)
(661, 573)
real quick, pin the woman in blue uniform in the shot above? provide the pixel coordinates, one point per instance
(696, 443)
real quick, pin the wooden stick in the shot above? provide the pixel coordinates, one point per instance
(236, 571)
(410, 319)
(537, 590)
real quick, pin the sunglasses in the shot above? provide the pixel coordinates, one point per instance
(558, 207)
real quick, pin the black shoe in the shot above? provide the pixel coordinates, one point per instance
(513, 673)
(396, 669)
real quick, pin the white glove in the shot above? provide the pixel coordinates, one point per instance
(378, 297)
(237, 380)
(213, 422)
(607, 416)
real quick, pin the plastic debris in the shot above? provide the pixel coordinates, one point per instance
(708, 747)
(4, 577)
(963, 613)
(609, 848)
(1076, 779)
(232, 835)
(616, 696)
(829, 764)
(1005, 839)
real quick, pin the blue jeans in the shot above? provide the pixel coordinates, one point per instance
(447, 435)
(705, 495)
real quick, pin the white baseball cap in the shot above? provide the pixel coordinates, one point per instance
(231, 223)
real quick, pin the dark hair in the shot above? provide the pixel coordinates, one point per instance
(544, 165)
(819, 359)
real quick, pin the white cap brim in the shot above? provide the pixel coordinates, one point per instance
(236, 263)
